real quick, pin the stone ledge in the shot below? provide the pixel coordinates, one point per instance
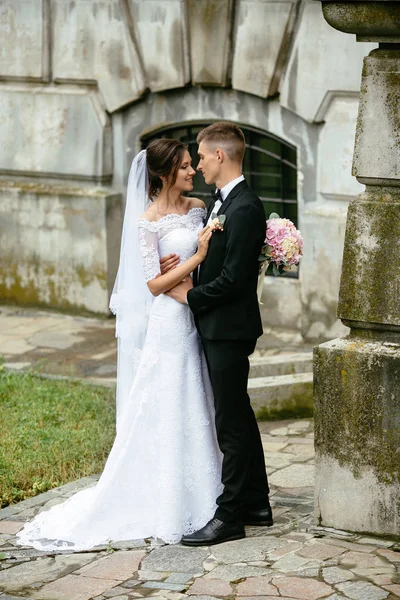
(283, 395)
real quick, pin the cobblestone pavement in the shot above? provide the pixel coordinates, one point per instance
(72, 346)
(58, 344)
(294, 559)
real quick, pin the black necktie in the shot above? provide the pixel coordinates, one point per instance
(217, 202)
(217, 198)
(217, 195)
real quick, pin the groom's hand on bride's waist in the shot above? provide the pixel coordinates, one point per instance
(179, 292)
(168, 262)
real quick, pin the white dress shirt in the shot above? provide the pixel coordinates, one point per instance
(225, 191)
(229, 186)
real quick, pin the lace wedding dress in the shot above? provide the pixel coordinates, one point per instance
(163, 474)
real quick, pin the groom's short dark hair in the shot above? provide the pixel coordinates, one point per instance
(227, 135)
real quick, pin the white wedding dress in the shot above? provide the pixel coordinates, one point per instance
(163, 474)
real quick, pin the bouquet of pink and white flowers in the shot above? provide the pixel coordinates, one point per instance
(283, 248)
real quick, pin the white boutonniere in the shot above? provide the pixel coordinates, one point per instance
(217, 222)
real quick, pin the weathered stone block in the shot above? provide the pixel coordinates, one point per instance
(49, 131)
(282, 396)
(59, 246)
(336, 61)
(336, 145)
(163, 37)
(357, 435)
(262, 34)
(282, 293)
(370, 285)
(93, 43)
(210, 44)
(376, 155)
(280, 364)
(24, 41)
(374, 21)
(324, 223)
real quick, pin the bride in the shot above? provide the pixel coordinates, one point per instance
(163, 474)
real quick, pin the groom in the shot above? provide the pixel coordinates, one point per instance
(224, 303)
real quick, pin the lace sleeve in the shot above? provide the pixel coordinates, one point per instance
(149, 249)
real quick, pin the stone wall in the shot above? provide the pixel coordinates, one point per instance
(81, 82)
(48, 131)
(56, 244)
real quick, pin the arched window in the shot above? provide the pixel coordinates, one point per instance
(270, 166)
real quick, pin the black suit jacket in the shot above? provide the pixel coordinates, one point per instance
(224, 299)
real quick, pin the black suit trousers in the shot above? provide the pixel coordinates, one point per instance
(243, 468)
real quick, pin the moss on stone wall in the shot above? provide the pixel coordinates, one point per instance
(370, 284)
(357, 403)
(298, 404)
(43, 285)
(86, 277)
(60, 244)
(295, 412)
(13, 289)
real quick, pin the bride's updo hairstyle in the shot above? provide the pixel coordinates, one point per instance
(163, 158)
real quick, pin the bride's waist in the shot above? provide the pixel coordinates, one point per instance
(166, 303)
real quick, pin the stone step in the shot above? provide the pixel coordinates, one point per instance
(281, 364)
(282, 396)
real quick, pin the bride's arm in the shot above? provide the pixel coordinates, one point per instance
(169, 262)
(163, 283)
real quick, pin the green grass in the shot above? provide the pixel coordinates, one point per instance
(51, 432)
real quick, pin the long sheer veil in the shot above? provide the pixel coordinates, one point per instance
(131, 299)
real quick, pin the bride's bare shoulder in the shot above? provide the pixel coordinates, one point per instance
(150, 214)
(196, 203)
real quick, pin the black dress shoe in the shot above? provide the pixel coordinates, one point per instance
(260, 517)
(214, 532)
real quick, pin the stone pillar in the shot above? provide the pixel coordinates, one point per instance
(357, 378)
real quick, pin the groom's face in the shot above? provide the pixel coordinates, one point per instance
(209, 163)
